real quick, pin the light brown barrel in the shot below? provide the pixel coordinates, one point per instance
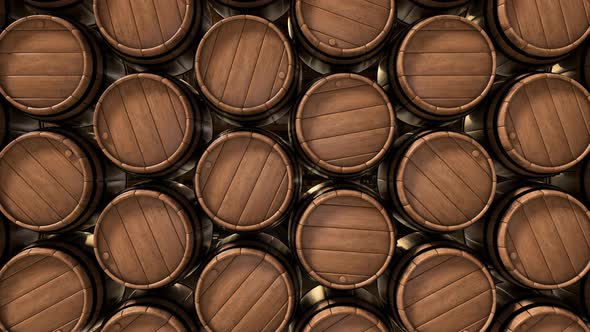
(538, 32)
(438, 181)
(334, 36)
(52, 181)
(269, 9)
(246, 181)
(246, 69)
(350, 136)
(538, 124)
(150, 125)
(50, 68)
(440, 69)
(343, 237)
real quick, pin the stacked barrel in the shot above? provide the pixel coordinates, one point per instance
(302, 165)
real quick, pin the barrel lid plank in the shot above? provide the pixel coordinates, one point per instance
(144, 318)
(345, 318)
(546, 318)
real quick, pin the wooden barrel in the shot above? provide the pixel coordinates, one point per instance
(61, 289)
(440, 69)
(52, 4)
(333, 36)
(535, 237)
(269, 9)
(149, 237)
(249, 284)
(52, 181)
(246, 181)
(538, 125)
(438, 181)
(439, 286)
(323, 309)
(343, 236)
(13, 239)
(150, 125)
(246, 69)
(410, 11)
(49, 68)
(150, 34)
(352, 135)
(537, 32)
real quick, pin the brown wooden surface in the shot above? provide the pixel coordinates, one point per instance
(144, 123)
(140, 318)
(245, 65)
(544, 239)
(445, 181)
(44, 290)
(354, 132)
(345, 31)
(547, 318)
(345, 319)
(446, 289)
(446, 65)
(244, 289)
(244, 181)
(544, 123)
(144, 29)
(46, 65)
(345, 239)
(47, 181)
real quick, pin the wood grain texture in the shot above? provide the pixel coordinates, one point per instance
(144, 239)
(244, 289)
(445, 289)
(345, 29)
(144, 123)
(445, 181)
(544, 28)
(144, 28)
(345, 239)
(547, 318)
(345, 319)
(141, 318)
(245, 65)
(446, 65)
(244, 181)
(354, 132)
(544, 239)
(44, 290)
(544, 123)
(47, 181)
(46, 64)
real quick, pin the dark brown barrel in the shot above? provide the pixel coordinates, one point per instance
(246, 181)
(439, 181)
(49, 68)
(538, 125)
(537, 32)
(246, 69)
(249, 284)
(440, 69)
(323, 309)
(149, 33)
(51, 4)
(350, 136)
(410, 11)
(343, 236)
(150, 236)
(52, 181)
(150, 125)
(53, 286)
(538, 237)
(269, 9)
(439, 286)
(337, 36)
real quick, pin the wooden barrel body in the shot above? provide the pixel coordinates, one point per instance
(336, 37)
(248, 284)
(343, 236)
(51, 69)
(352, 135)
(53, 181)
(162, 142)
(269, 9)
(438, 285)
(246, 69)
(438, 181)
